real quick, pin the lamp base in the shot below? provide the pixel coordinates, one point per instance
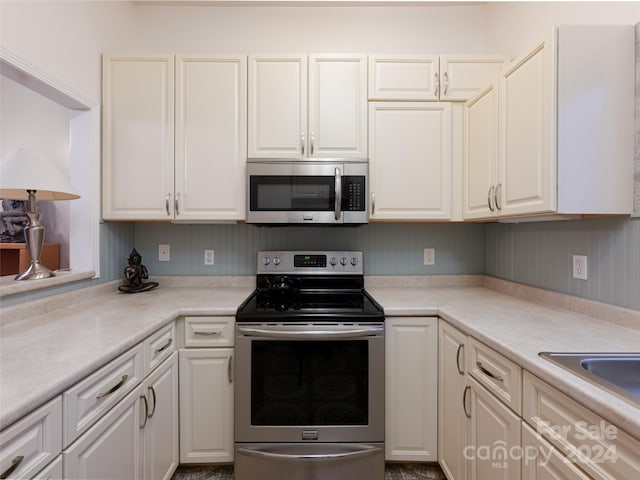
(35, 271)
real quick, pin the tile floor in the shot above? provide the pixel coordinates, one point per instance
(393, 471)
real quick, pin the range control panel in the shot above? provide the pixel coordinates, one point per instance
(312, 262)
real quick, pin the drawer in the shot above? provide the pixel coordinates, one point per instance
(53, 471)
(32, 442)
(598, 447)
(208, 331)
(499, 375)
(88, 400)
(159, 346)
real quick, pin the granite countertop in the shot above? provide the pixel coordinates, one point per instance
(46, 353)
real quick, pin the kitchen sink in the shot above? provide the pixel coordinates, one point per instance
(617, 373)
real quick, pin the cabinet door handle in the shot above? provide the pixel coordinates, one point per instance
(373, 204)
(198, 332)
(488, 373)
(496, 196)
(302, 142)
(460, 347)
(166, 203)
(15, 463)
(436, 84)
(153, 395)
(164, 347)
(311, 142)
(230, 369)
(114, 388)
(464, 401)
(446, 83)
(490, 198)
(176, 203)
(146, 411)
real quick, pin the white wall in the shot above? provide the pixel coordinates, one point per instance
(516, 26)
(313, 29)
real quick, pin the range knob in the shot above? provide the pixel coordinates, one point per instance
(344, 261)
(333, 261)
(276, 260)
(354, 261)
(266, 260)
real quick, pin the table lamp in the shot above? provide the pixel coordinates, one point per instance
(23, 174)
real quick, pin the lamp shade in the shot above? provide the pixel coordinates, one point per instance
(22, 169)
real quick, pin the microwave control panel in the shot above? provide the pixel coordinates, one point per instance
(353, 194)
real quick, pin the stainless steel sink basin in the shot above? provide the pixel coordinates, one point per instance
(618, 373)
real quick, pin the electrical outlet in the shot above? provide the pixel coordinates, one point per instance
(429, 256)
(580, 267)
(208, 257)
(164, 252)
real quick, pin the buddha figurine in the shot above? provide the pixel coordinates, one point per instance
(135, 274)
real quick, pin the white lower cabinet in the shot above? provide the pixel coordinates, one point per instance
(411, 349)
(112, 448)
(541, 461)
(161, 449)
(206, 405)
(494, 431)
(53, 471)
(452, 421)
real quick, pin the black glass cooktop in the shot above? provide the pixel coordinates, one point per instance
(278, 298)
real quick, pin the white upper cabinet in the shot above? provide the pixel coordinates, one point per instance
(307, 106)
(139, 122)
(564, 130)
(138, 135)
(410, 160)
(431, 77)
(211, 137)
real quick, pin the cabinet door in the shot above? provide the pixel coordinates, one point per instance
(526, 137)
(452, 427)
(277, 115)
(410, 160)
(480, 160)
(542, 461)
(411, 349)
(206, 405)
(337, 106)
(138, 136)
(403, 77)
(161, 430)
(211, 137)
(463, 76)
(112, 448)
(494, 429)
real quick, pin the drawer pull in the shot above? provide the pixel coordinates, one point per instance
(216, 332)
(165, 346)
(114, 388)
(230, 369)
(488, 373)
(15, 463)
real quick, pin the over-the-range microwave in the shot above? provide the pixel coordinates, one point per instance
(308, 191)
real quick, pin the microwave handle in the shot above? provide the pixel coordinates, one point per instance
(338, 196)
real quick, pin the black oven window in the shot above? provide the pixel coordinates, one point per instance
(296, 193)
(309, 383)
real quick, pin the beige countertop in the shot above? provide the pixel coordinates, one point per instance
(43, 354)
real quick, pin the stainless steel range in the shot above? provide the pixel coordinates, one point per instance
(309, 362)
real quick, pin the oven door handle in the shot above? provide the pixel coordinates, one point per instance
(348, 454)
(315, 334)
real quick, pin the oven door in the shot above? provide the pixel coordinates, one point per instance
(309, 383)
(328, 192)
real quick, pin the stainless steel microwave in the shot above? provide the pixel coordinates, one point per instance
(328, 191)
